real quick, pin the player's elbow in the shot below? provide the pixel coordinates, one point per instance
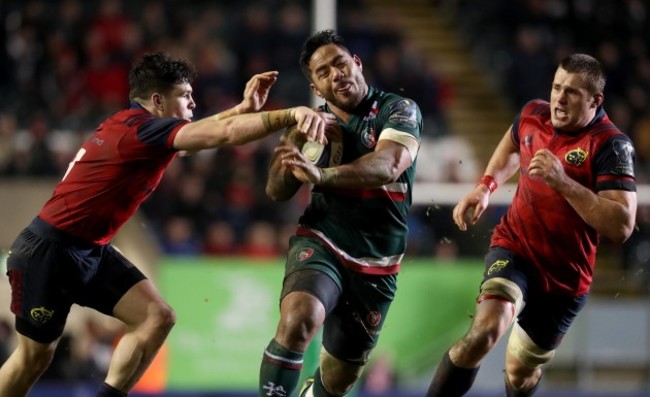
(388, 168)
(622, 233)
(390, 173)
(626, 233)
(276, 194)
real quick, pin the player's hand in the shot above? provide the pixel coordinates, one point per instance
(548, 167)
(302, 168)
(312, 123)
(471, 207)
(257, 91)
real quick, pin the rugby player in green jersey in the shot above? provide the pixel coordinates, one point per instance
(342, 263)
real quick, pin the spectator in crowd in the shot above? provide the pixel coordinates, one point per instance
(179, 239)
(220, 239)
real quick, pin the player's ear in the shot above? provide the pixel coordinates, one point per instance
(315, 90)
(599, 98)
(357, 60)
(157, 101)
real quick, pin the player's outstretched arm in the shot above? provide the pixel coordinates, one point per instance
(213, 131)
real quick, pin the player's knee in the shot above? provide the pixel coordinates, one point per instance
(486, 330)
(338, 376)
(302, 316)
(163, 316)
(522, 347)
(482, 337)
(522, 379)
(299, 329)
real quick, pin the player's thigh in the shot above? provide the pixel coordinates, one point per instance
(142, 302)
(314, 270)
(352, 330)
(546, 318)
(120, 290)
(34, 351)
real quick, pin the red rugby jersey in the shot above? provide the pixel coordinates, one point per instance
(115, 170)
(540, 225)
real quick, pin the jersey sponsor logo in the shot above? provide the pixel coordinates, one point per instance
(624, 157)
(373, 318)
(273, 390)
(498, 265)
(576, 157)
(41, 314)
(403, 112)
(305, 254)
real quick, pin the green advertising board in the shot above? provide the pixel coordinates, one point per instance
(227, 311)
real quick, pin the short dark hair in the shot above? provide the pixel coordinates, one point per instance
(590, 67)
(317, 40)
(158, 72)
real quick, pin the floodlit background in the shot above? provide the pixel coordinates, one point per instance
(214, 243)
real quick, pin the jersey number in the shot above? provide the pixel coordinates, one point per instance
(77, 157)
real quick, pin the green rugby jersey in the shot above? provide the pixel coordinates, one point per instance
(366, 228)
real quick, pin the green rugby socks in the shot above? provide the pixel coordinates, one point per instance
(280, 370)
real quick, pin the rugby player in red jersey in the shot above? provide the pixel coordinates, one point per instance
(64, 256)
(576, 184)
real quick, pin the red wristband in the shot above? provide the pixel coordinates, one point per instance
(489, 182)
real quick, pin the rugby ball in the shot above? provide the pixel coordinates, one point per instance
(316, 152)
(323, 156)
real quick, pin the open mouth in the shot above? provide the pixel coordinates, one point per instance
(560, 113)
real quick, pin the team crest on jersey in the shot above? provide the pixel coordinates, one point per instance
(41, 314)
(528, 141)
(624, 157)
(497, 266)
(305, 254)
(403, 112)
(368, 137)
(576, 157)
